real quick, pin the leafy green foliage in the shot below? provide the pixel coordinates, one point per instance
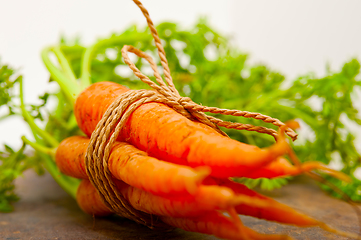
(8, 79)
(352, 189)
(62, 123)
(264, 183)
(35, 110)
(9, 98)
(7, 177)
(336, 93)
(13, 164)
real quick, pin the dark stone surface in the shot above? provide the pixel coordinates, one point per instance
(45, 211)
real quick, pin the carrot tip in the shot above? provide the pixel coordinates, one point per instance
(250, 201)
(339, 232)
(308, 166)
(338, 175)
(247, 233)
(202, 173)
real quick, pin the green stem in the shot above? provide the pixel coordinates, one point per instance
(72, 123)
(70, 50)
(89, 53)
(70, 185)
(64, 64)
(250, 139)
(71, 89)
(69, 86)
(30, 120)
(13, 164)
(85, 67)
(39, 148)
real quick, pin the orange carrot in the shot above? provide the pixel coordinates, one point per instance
(266, 208)
(215, 223)
(132, 166)
(211, 222)
(89, 200)
(167, 135)
(273, 211)
(282, 167)
(70, 156)
(207, 198)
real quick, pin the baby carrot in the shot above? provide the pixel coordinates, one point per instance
(215, 223)
(127, 163)
(165, 134)
(209, 222)
(282, 167)
(272, 210)
(89, 200)
(207, 198)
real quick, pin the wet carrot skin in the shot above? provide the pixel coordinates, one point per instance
(127, 163)
(165, 134)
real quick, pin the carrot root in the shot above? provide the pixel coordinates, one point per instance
(127, 163)
(208, 198)
(215, 223)
(260, 206)
(283, 168)
(192, 143)
(308, 166)
(339, 232)
(89, 200)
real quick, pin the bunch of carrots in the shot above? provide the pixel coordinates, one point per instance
(178, 170)
(167, 165)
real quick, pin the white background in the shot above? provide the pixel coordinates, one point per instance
(293, 37)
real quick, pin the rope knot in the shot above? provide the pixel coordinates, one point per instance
(184, 101)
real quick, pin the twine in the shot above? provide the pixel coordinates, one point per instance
(108, 129)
